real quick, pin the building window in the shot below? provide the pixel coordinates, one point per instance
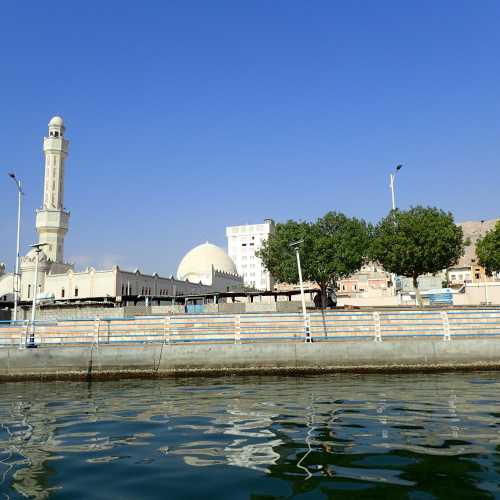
(477, 276)
(29, 291)
(62, 293)
(76, 292)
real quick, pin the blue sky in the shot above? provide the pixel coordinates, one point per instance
(185, 117)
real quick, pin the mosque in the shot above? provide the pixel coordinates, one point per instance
(205, 269)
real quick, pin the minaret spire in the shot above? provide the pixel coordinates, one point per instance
(52, 219)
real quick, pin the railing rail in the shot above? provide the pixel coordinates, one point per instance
(255, 327)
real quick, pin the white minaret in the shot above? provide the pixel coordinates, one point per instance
(52, 219)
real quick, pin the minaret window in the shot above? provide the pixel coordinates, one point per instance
(29, 291)
(62, 293)
(76, 292)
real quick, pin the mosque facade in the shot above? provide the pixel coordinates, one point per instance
(205, 269)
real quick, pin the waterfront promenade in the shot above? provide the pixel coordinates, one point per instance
(399, 339)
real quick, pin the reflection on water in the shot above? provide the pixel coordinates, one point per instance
(408, 436)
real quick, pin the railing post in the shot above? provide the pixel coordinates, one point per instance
(376, 322)
(22, 336)
(307, 327)
(446, 326)
(26, 332)
(166, 330)
(237, 329)
(96, 330)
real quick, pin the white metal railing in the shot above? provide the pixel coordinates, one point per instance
(254, 327)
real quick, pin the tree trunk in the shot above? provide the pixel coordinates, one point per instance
(324, 298)
(417, 291)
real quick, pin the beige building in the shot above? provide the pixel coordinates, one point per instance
(205, 269)
(370, 281)
(467, 270)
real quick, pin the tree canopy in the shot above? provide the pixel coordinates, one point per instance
(335, 246)
(422, 240)
(488, 250)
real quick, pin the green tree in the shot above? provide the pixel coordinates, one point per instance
(488, 250)
(416, 242)
(334, 247)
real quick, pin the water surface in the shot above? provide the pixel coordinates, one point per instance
(333, 436)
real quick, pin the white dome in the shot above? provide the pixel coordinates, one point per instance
(56, 121)
(197, 264)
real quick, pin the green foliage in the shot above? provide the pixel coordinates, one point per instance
(488, 250)
(417, 241)
(277, 255)
(335, 246)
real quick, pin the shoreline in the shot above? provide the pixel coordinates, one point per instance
(107, 362)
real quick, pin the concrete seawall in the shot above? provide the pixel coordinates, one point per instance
(149, 360)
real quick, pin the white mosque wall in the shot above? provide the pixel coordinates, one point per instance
(86, 284)
(6, 284)
(226, 282)
(117, 282)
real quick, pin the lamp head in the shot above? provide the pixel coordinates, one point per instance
(295, 244)
(38, 246)
(13, 175)
(399, 167)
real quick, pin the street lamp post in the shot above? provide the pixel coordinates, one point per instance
(295, 245)
(38, 249)
(392, 177)
(16, 273)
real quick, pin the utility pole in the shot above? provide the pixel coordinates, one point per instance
(486, 295)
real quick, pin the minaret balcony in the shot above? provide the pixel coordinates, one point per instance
(52, 219)
(56, 144)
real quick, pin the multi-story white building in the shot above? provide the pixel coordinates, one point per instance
(242, 243)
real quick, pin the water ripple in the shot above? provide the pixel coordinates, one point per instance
(410, 436)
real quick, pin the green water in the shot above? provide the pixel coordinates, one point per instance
(334, 436)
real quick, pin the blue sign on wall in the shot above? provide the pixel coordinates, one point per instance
(440, 296)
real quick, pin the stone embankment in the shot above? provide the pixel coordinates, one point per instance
(394, 340)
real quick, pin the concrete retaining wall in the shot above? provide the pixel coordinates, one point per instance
(74, 312)
(5, 314)
(167, 310)
(156, 360)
